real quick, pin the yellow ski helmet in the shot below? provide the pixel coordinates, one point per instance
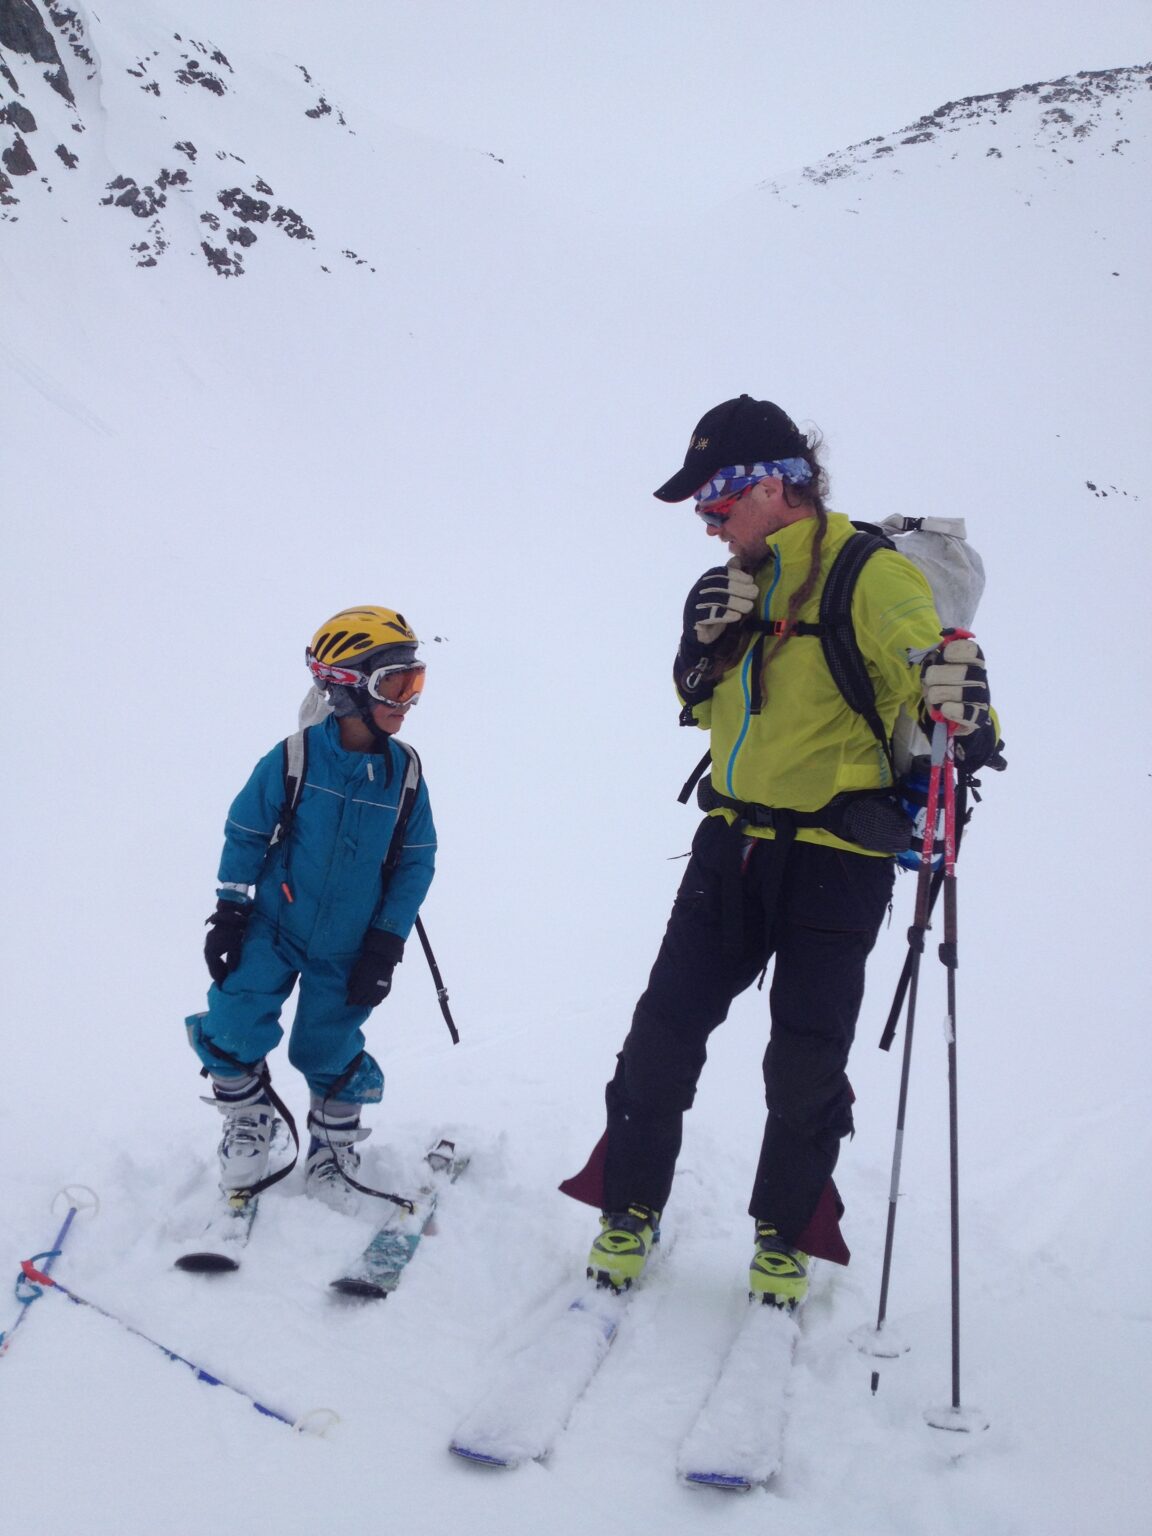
(355, 632)
(345, 651)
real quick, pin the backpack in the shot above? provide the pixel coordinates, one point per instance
(295, 765)
(938, 547)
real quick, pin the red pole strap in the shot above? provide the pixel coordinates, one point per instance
(37, 1276)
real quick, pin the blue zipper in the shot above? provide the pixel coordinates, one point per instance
(745, 674)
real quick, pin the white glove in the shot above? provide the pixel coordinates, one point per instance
(954, 683)
(721, 597)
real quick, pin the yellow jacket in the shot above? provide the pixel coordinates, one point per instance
(806, 745)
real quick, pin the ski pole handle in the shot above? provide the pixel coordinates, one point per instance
(947, 636)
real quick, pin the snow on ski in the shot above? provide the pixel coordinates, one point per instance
(526, 1409)
(217, 1249)
(380, 1267)
(736, 1442)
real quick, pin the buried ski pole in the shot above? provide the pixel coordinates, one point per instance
(80, 1200)
(317, 1420)
(868, 1340)
(953, 1417)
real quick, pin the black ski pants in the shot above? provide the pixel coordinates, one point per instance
(741, 901)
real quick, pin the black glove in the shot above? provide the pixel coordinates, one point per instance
(222, 947)
(371, 978)
(721, 598)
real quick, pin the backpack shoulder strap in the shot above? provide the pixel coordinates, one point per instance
(295, 755)
(408, 791)
(838, 635)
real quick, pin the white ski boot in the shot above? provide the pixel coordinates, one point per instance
(332, 1160)
(247, 1139)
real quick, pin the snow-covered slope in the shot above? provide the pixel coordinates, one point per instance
(466, 418)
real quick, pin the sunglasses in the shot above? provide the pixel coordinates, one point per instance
(399, 685)
(715, 513)
(716, 498)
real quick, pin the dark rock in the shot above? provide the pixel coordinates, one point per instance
(143, 201)
(69, 159)
(186, 147)
(17, 158)
(252, 210)
(243, 236)
(58, 79)
(222, 261)
(192, 74)
(292, 224)
(22, 30)
(70, 24)
(18, 116)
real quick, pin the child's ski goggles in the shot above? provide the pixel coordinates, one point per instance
(399, 685)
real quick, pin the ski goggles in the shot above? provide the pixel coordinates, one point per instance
(717, 496)
(400, 685)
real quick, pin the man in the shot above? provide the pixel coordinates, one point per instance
(794, 857)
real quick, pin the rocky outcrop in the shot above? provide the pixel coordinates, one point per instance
(1076, 111)
(45, 53)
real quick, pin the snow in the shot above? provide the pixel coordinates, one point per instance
(466, 419)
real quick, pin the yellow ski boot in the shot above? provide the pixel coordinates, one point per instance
(620, 1252)
(778, 1274)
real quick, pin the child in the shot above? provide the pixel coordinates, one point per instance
(301, 898)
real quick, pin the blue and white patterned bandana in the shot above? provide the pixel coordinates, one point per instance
(737, 478)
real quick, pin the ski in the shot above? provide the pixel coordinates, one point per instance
(736, 1441)
(380, 1267)
(530, 1402)
(217, 1250)
(526, 1409)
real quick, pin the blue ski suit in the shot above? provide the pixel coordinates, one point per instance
(316, 895)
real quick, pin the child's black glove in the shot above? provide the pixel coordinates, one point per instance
(371, 978)
(222, 947)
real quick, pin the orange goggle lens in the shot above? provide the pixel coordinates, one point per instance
(397, 685)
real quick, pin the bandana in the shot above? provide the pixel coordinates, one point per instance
(730, 482)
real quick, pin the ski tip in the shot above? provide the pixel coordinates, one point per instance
(362, 1290)
(481, 1458)
(728, 1482)
(206, 1264)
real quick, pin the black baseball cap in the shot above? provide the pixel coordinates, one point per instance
(741, 431)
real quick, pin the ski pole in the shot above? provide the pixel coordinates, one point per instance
(38, 1277)
(954, 1417)
(80, 1198)
(437, 981)
(926, 889)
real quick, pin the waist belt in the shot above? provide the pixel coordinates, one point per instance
(871, 818)
(778, 818)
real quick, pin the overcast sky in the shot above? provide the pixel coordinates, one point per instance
(720, 92)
